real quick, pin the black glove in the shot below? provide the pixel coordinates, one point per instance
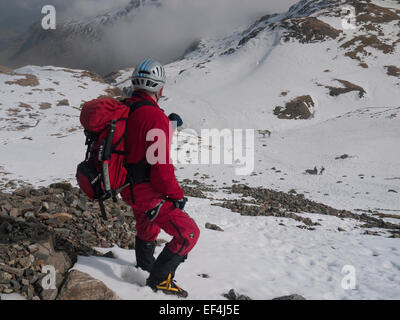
(173, 117)
(181, 203)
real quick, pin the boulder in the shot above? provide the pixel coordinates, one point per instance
(81, 286)
(214, 227)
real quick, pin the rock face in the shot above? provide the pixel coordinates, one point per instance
(347, 87)
(51, 227)
(298, 108)
(26, 248)
(309, 30)
(81, 286)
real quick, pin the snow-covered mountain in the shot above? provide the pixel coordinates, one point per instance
(92, 28)
(63, 46)
(330, 98)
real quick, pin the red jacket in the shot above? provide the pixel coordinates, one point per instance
(163, 182)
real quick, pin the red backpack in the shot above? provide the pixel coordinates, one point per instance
(103, 175)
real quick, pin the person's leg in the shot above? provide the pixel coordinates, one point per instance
(146, 236)
(185, 234)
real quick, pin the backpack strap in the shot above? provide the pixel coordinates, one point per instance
(133, 106)
(142, 167)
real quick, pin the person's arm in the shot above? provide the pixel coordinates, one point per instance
(162, 175)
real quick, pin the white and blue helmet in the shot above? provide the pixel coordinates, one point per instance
(149, 75)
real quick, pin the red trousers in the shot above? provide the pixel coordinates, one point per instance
(174, 222)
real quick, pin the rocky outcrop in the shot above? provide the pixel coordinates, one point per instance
(371, 19)
(25, 249)
(393, 71)
(268, 202)
(347, 87)
(51, 227)
(309, 30)
(81, 286)
(28, 80)
(298, 108)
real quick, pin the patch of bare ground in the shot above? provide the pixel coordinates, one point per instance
(266, 202)
(29, 81)
(372, 13)
(63, 102)
(370, 18)
(74, 129)
(393, 71)
(5, 70)
(70, 71)
(25, 106)
(347, 87)
(44, 106)
(359, 44)
(13, 112)
(298, 108)
(114, 92)
(309, 30)
(88, 74)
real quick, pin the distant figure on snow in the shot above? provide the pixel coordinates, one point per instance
(265, 132)
(313, 171)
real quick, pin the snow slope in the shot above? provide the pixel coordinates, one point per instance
(215, 87)
(37, 133)
(265, 258)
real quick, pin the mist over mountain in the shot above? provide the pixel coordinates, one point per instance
(116, 36)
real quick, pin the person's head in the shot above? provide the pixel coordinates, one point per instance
(149, 76)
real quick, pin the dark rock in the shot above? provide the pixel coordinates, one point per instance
(213, 227)
(347, 87)
(295, 297)
(109, 254)
(298, 108)
(81, 286)
(233, 295)
(49, 294)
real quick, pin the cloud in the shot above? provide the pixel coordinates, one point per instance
(164, 33)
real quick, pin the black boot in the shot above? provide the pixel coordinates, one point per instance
(163, 272)
(145, 254)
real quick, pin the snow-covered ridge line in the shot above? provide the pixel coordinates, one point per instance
(93, 26)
